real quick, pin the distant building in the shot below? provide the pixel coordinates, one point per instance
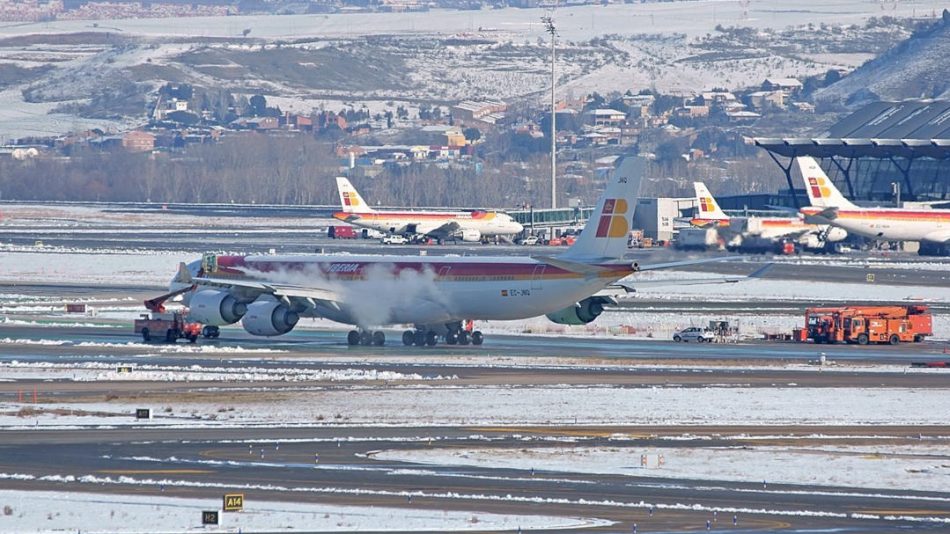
(789, 86)
(765, 99)
(138, 141)
(606, 117)
(488, 111)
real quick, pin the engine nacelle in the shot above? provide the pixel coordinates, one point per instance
(268, 317)
(835, 234)
(471, 235)
(215, 308)
(583, 312)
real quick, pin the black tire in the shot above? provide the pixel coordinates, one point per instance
(477, 338)
(379, 338)
(419, 338)
(408, 337)
(171, 335)
(894, 340)
(352, 338)
(464, 338)
(700, 339)
(192, 339)
(862, 339)
(366, 338)
(451, 338)
(431, 338)
(677, 339)
(919, 338)
(146, 335)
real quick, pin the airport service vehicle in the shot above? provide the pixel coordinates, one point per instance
(269, 294)
(160, 325)
(930, 227)
(342, 232)
(693, 333)
(761, 234)
(867, 324)
(394, 239)
(530, 240)
(471, 226)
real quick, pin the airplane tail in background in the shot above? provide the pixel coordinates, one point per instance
(709, 209)
(350, 198)
(822, 193)
(605, 235)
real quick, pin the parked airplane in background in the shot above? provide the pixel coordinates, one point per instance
(931, 227)
(760, 232)
(269, 294)
(442, 225)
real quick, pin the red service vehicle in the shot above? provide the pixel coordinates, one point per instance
(867, 324)
(342, 232)
(159, 325)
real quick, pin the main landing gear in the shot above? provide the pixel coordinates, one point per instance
(456, 335)
(365, 337)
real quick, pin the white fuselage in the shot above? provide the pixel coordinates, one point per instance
(890, 223)
(402, 222)
(375, 291)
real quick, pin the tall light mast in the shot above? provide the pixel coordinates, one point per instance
(549, 27)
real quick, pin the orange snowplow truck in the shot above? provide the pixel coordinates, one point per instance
(867, 324)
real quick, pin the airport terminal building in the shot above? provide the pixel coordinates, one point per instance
(874, 148)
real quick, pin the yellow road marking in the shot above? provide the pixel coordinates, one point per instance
(155, 471)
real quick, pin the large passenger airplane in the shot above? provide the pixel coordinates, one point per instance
(931, 227)
(269, 294)
(442, 225)
(742, 232)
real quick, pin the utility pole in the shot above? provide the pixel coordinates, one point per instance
(549, 27)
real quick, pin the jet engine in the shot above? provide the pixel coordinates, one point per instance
(582, 312)
(471, 235)
(215, 308)
(268, 317)
(835, 234)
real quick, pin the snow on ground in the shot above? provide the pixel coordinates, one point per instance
(56, 511)
(96, 371)
(425, 405)
(138, 268)
(918, 468)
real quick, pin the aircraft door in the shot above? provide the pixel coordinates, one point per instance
(537, 276)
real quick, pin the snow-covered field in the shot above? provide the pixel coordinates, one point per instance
(95, 513)
(425, 405)
(914, 467)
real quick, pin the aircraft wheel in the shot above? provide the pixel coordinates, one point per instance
(477, 338)
(353, 338)
(419, 338)
(408, 337)
(146, 335)
(463, 338)
(366, 338)
(431, 338)
(379, 338)
(451, 338)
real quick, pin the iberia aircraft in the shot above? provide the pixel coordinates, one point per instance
(437, 295)
(931, 227)
(464, 225)
(737, 231)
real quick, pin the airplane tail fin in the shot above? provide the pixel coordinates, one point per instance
(709, 209)
(822, 193)
(605, 235)
(350, 198)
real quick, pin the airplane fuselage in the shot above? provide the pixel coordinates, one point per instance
(486, 223)
(888, 224)
(412, 290)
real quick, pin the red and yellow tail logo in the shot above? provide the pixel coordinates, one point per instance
(349, 199)
(707, 204)
(818, 188)
(613, 220)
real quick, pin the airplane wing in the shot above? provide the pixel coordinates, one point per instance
(822, 217)
(443, 231)
(940, 236)
(631, 287)
(255, 287)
